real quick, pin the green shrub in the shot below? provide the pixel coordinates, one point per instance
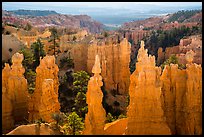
(66, 62)
(172, 60)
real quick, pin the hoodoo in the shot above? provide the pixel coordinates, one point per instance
(145, 114)
(46, 70)
(96, 116)
(17, 88)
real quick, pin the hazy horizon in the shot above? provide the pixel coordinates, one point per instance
(50, 5)
(107, 12)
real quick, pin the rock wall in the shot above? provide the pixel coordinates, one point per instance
(96, 116)
(145, 114)
(46, 70)
(115, 60)
(17, 88)
(78, 52)
(136, 35)
(173, 89)
(193, 96)
(182, 93)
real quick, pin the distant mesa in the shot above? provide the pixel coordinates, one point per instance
(33, 12)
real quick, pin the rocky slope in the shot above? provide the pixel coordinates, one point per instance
(163, 31)
(160, 21)
(57, 20)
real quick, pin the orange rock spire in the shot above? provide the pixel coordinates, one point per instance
(145, 114)
(46, 70)
(96, 116)
(17, 88)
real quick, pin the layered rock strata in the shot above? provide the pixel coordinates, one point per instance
(96, 116)
(115, 60)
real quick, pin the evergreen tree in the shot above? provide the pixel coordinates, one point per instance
(28, 64)
(80, 84)
(54, 37)
(28, 58)
(74, 124)
(38, 51)
(80, 104)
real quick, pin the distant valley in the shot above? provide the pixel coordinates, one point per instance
(110, 17)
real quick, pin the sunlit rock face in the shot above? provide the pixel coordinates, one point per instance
(115, 60)
(145, 114)
(116, 127)
(49, 101)
(7, 106)
(173, 90)
(34, 129)
(96, 116)
(5, 76)
(7, 112)
(182, 97)
(77, 51)
(46, 70)
(193, 96)
(17, 88)
(14, 93)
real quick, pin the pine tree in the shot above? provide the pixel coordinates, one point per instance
(73, 125)
(54, 37)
